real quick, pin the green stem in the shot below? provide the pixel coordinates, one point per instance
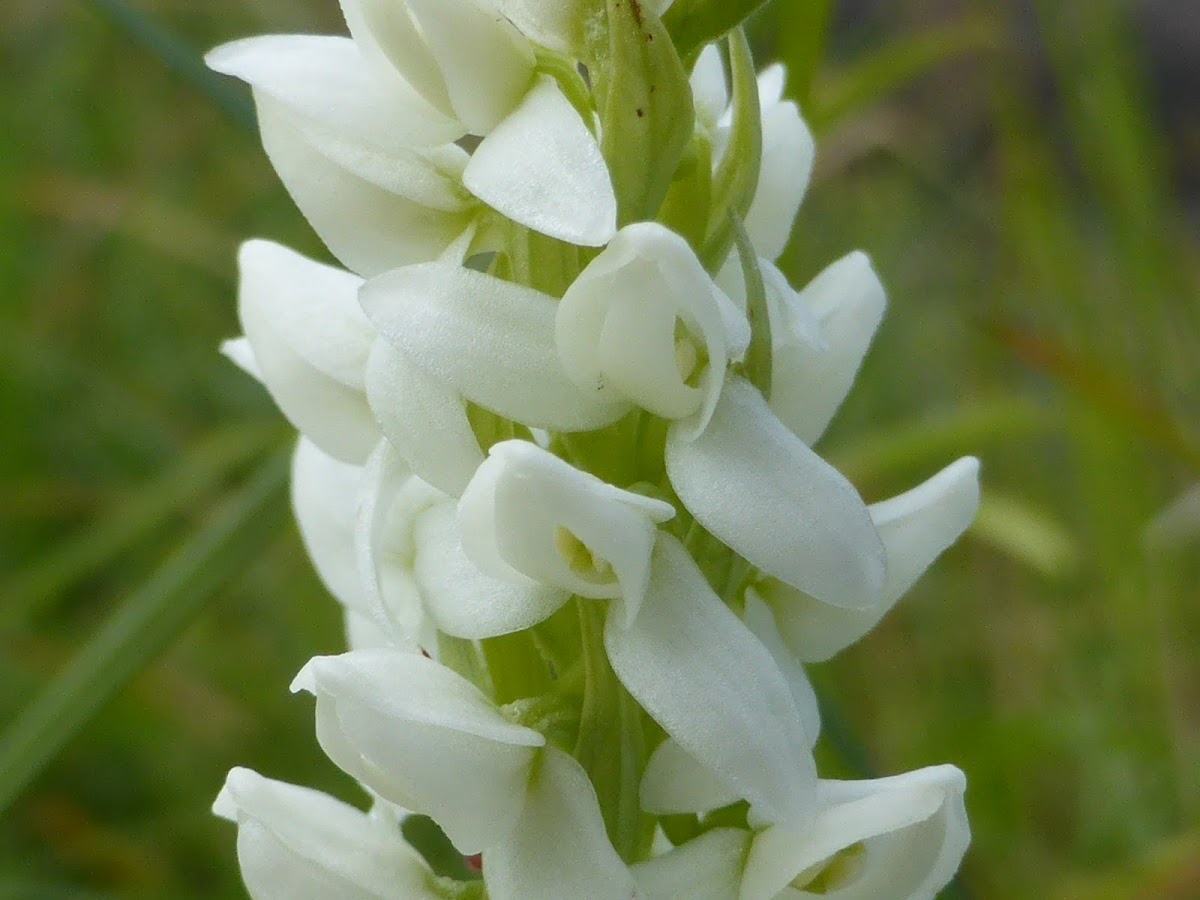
(611, 746)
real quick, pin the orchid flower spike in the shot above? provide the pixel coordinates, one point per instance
(557, 422)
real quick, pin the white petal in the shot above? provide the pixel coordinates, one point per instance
(700, 673)
(761, 622)
(559, 848)
(912, 827)
(295, 843)
(542, 168)
(763, 492)
(462, 600)
(310, 343)
(422, 736)
(528, 511)
(312, 307)
(326, 80)
(788, 154)
(810, 380)
(486, 63)
(674, 783)
(706, 868)
(915, 528)
(771, 82)
(558, 25)
(423, 420)
(369, 228)
(616, 326)
(362, 633)
(491, 340)
(709, 88)
(388, 503)
(324, 499)
(387, 35)
(241, 354)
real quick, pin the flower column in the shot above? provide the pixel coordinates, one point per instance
(556, 464)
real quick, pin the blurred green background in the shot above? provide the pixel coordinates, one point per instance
(1025, 175)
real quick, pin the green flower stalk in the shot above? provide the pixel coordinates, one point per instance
(558, 416)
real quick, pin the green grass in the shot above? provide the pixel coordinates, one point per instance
(1043, 316)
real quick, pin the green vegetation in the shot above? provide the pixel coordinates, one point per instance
(1020, 206)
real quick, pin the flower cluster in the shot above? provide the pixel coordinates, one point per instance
(556, 463)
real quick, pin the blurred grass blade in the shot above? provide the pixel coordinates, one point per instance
(145, 625)
(893, 68)
(899, 451)
(148, 509)
(801, 30)
(183, 60)
(1026, 534)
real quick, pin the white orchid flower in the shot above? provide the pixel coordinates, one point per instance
(900, 837)
(763, 492)
(295, 843)
(490, 341)
(819, 337)
(423, 737)
(675, 782)
(308, 341)
(492, 402)
(644, 324)
(915, 527)
(365, 159)
(788, 156)
(738, 718)
(530, 514)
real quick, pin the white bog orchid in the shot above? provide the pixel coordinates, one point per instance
(561, 476)
(901, 837)
(295, 843)
(309, 343)
(530, 514)
(425, 738)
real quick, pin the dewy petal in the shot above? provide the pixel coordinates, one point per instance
(369, 228)
(420, 735)
(387, 35)
(310, 342)
(706, 868)
(618, 326)
(423, 420)
(713, 687)
(788, 154)
(295, 843)
(709, 88)
(327, 80)
(559, 847)
(810, 379)
(542, 168)
(764, 493)
(528, 511)
(912, 829)
(486, 63)
(462, 600)
(916, 527)
(491, 340)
